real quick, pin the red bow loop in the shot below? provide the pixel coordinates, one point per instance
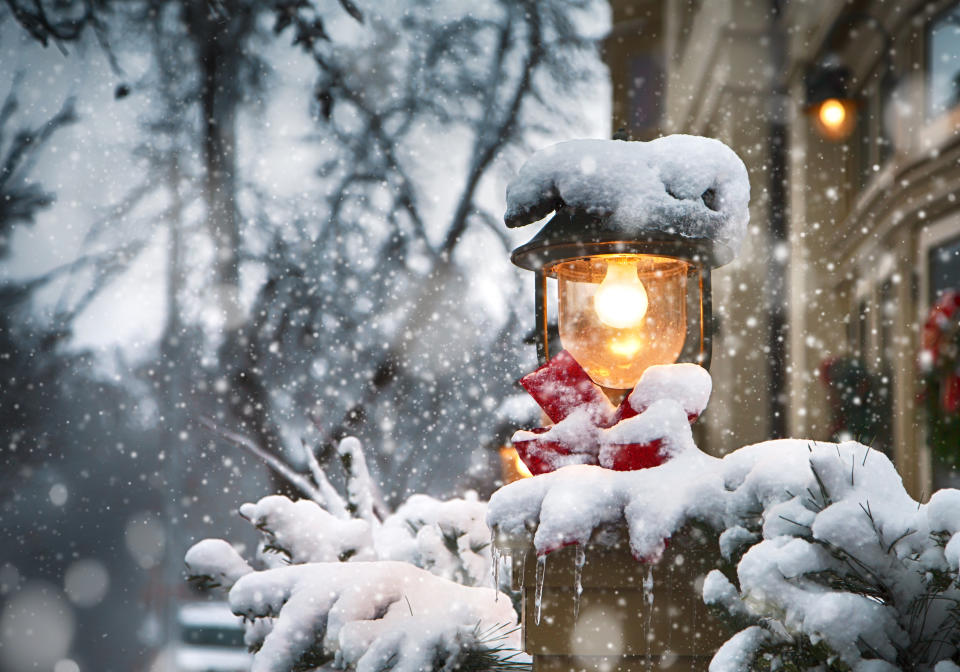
(581, 411)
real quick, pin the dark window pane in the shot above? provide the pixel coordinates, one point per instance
(944, 263)
(943, 50)
(944, 269)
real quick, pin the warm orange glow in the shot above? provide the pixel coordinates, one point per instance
(835, 118)
(621, 299)
(520, 466)
(512, 466)
(626, 347)
(620, 314)
(832, 113)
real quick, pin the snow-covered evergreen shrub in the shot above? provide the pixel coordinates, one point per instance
(333, 581)
(833, 566)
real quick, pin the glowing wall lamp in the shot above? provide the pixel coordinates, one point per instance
(829, 104)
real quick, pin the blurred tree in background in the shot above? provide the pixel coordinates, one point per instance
(376, 299)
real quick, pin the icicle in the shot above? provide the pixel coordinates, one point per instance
(648, 586)
(538, 596)
(648, 617)
(495, 559)
(523, 569)
(579, 559)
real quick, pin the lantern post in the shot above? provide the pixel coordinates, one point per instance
(633, 295)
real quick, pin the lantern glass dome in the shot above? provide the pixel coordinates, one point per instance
(622, 313)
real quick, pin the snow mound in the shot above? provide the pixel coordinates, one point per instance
(566, 506)
(683, 185)
(216, 562)
(687, 384)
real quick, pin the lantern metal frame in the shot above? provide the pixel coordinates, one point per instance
(575, 234)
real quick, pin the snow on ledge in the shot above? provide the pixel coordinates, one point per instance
(566, 506)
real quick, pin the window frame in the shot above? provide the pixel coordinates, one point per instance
(933, 235)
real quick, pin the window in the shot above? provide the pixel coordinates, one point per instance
(944, 260)
(943, 62)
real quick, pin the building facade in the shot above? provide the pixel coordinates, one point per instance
(851, 241)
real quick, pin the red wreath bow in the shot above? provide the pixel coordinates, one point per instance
(939, 349)
(589, 429)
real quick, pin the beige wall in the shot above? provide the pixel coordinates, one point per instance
(845, 240)
(716, 86)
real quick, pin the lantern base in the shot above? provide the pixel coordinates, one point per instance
(631, 615)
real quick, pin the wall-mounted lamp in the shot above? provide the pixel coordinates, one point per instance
(829, 104)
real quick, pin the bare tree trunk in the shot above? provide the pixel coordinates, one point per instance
(219, 34)
(218, 37)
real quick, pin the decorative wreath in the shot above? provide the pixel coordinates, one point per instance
(940, 381)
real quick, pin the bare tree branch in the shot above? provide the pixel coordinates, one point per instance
(296, 479)
(333, 501)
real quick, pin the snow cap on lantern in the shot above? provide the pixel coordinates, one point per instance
(679, 187)
(638, 226)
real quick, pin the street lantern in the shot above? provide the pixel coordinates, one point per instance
(625, 302)
(829, 104)
(637, 229)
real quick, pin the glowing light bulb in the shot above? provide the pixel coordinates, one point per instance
(621, 299)
(832, 113)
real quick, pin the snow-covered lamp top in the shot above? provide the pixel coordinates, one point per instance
(677, 188)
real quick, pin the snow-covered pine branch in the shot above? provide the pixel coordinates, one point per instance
(414, 592)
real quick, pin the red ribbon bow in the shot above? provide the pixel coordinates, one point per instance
(566, 393)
